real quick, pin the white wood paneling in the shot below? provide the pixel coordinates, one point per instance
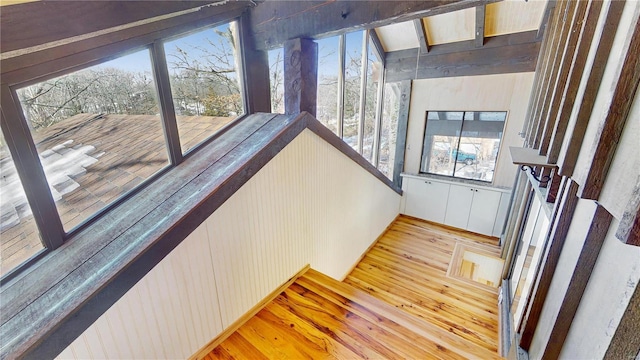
(451, 27)
(512, 16)
(399, 36)
(309, 205)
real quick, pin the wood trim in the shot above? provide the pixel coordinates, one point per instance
(551, 4)
(403, 123)
(559, 230)
(609, 133)
(542, 56)
(567, 161)
(30, 171)
(273, 23)
(559, 41)
(535, 103)
(300, 76)
(625, 343)
(205, 350)
(38, 23)
(255, 71)
(373, 244)
(570, 37)
(573, 84)
(39, 63)
(480, 18)
(500, 54)
(629, 228)
(579, 279)
(165, 98)
(342, 45)
(421, 31)
(364, 62)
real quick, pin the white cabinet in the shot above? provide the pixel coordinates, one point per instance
(484, 209)
(472, 208)
(459, 206)
(480, 209)
(425, 199)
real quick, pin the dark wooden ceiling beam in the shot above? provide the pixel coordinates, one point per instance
(41, 22)
(500, 54)
(422, 35)
(274, 22)
(480, 15)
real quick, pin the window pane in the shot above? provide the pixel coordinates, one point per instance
(389, 129)
(441, 142)
(479, 145)
(462, 148)
(205, 82)
(352, 79)
(19, 237)
(98, 133)
(328, 69)
(276, 80)
(374, 72)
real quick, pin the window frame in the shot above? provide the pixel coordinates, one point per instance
(453, 175)
(21, 145)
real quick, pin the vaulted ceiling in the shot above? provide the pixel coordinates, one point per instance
(499, 18)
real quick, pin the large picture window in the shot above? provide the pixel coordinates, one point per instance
(462, 144)
(103, 129)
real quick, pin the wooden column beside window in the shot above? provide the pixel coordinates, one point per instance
(300, 76)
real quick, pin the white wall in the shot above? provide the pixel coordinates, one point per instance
(617, 271)
(505, 92)
(309, 205)
(614, 278)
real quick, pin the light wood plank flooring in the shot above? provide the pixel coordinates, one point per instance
(397, 303)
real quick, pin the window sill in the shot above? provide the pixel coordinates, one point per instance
(47, 306)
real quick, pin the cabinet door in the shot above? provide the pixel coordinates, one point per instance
(426, 199)
(459, 206)
(483, 211)
(437, 195)
(415, 197)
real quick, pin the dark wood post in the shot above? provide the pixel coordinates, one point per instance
(300, 76)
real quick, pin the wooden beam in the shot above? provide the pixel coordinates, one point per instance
(552, 251)
(573, 83)
(42, 22)
(537, 80)
(403, 121)
(547, 58)
(544, 23)
(480, 15)
(86, 51)
(625, 343)
(567, 161)
(582, 272)
(609, 133)
(300, 76)
(551, 71)
(500, 54)
(255, 71)
(375, 40)
(629, 228)
(421, 31)
(274, 22)
(575, 25)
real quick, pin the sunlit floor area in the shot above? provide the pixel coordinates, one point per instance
(417, 294)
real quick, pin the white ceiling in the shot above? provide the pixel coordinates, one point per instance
(398, 36)
(504, 17)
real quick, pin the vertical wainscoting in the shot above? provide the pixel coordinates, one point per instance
(309, 205)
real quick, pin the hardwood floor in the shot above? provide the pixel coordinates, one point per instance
(397, 303)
